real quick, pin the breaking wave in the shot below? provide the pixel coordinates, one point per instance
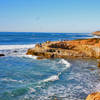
(10, 47)
(95, 36)
(17, 50)
(51, 78)
(56, 77)
(65, 62)
(29, 56)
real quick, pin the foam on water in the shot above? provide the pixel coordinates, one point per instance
(95, 36)
(28, 56)
(56, 77)
(11, 80)
(16, 50)
(65, 62)
(10, 47)
(51, 78)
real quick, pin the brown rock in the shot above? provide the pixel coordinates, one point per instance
(39, 58)
(84, 48)
(94, 96)
(98, 63)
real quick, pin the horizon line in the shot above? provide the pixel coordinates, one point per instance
(42, 32)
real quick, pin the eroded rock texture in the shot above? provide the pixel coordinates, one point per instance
(84, 48)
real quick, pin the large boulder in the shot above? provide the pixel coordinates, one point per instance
(94, 96)
(96, 33)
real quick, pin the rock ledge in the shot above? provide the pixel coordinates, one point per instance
(84, 48)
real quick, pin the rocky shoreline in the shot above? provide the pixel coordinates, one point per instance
(81, 48)
(84, 48)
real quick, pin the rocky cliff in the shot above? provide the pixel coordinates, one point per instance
(84, 48)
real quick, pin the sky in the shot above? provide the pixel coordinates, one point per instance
(79, 16)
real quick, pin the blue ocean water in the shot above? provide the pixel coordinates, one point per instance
(30, 38)
(24, 77)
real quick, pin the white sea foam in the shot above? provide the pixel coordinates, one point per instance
(56, 77)
(66, 65)
(29, 56)
(17, 50)
(96, 36)
(11, 80)
(65, 62)
(10, 47)
(52, 78)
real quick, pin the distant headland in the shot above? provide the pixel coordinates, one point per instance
(96, 33)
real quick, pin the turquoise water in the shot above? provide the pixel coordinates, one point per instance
(24, 77)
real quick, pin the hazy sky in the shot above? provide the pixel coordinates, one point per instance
(49, 15)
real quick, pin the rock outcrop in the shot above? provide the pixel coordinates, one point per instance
(84, 48)
(96, 33)
(94, 96)
(2, 55)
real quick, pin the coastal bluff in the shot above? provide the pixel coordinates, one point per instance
(83, 48)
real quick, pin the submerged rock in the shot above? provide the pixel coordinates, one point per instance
(2, 55)
(84, 48)
(94, 96)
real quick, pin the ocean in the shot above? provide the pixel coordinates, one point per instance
(23, 77)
